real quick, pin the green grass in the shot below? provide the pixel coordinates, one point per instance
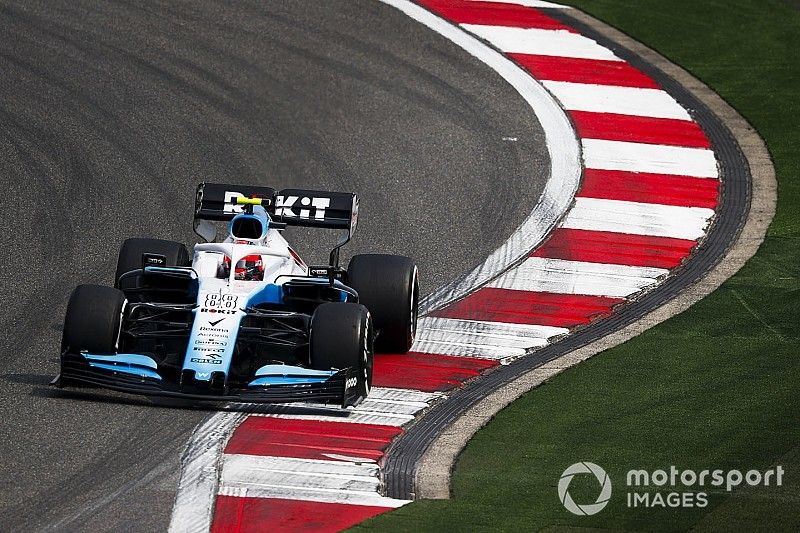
(715, 387)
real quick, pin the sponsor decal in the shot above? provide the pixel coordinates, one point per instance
(216, 322)
(218, 300)
(220, 311)
(285, 207)
(206, 360)
(350, 383)
(210, 342)
(214, 330)
(155, 260)
(230, 202)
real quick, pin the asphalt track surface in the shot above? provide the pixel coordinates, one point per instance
(109, 116)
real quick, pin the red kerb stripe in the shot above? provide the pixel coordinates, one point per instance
(599, 72)
(426, 372)
(615, 248)
(246, 515)
(523, 307)
(664, 189)
(310, 439)
(647, 130)
(493, 14)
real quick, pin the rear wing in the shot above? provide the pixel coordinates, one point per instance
(293, 207)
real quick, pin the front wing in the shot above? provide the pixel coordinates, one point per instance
(341, 387)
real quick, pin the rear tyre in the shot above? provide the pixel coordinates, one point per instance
(92, 323)
(388, 285)
(130, 255)
(341, 337)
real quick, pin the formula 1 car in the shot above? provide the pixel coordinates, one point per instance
(245, 319)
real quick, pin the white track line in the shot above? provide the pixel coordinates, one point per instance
(619, 100)
(576, 277)
(654, 158)
(638, 219)
(541, 42)
(562, 147)
(197, 487)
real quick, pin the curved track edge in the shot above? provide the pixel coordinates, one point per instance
(420, 461)
(562, 147)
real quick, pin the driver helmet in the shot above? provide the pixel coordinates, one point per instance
(248, 268)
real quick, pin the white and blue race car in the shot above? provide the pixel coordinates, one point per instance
(244, 319)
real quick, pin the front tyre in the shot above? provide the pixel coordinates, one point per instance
(93, 320)
(388, 285)
(341, 337)
(130, 256)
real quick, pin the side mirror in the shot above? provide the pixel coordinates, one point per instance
(205, 229)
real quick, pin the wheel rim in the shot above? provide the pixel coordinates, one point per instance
(414, 307)
(367, 362)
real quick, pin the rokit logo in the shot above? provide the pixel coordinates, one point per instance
(230, 206)
(285, 206)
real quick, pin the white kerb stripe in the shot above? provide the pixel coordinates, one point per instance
(326, 413)
(302, 479)
(637, 218)
(655, 158)
(537, 41)
(239, 467)
(541, 274)
(290, 492)
(410, 395)
(473, 349)
(529, 3)
(250, 471)
(618, 100)
(475, 338)
(490, 328)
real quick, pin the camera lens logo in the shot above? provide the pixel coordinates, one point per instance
(590, 508)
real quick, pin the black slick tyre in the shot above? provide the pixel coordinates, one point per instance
(130, 255)
(92, 322)
(341, 337)
(388, 285)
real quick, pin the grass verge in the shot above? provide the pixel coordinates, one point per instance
(716, 387)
